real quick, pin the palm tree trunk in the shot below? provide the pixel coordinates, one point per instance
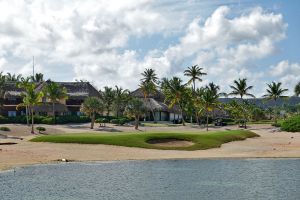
(53, 112)
(93, 121)
(183, 122)
(152, 111)
(206, 119)
(27, 115)
(136, 126)
(32, 121)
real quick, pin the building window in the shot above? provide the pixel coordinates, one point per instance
(12, 113)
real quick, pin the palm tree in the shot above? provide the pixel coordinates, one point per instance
(121, 97)
(55, 92)
(90, 107)
(2, 89)
(209, 99)
(31, 98)
(241, 88)
(297, 89)
(13, 77)
(176, 93)
(149, 75)
(24, 82)
(148, 86)
(108, 97)
(135, 108)
(275, 92)
(195, 73)
(38, 77)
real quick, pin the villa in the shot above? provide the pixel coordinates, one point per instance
(162, 112)
(77, 92)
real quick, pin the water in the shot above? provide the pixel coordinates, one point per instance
(160, 180)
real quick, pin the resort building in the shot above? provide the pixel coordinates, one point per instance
(76, 91)
(156, 103)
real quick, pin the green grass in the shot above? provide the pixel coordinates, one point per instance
(151, 124)
(200, 140)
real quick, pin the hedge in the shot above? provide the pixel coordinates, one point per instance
(45, 119)
(291, 124)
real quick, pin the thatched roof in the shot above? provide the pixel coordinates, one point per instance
(77, 90)
(139, 94)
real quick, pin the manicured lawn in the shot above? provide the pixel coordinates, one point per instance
(200, 140)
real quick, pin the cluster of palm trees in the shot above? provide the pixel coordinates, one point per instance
(203, 101)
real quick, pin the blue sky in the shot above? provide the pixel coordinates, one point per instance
(112, 42)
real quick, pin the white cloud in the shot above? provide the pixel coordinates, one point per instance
(89, 40)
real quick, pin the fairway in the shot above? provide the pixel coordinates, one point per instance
(200, 141)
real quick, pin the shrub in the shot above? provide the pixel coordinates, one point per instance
(102, 120)
(291, 124)
(4, 128)
(40, 129)
(120, 121)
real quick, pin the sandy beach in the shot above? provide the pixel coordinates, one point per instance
(272, 143)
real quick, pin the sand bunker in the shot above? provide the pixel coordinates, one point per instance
(170, 142)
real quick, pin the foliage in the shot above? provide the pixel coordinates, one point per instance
(200, 140)
(241, 88)
(291, 124)
(4, 128)
(45, 119)
(121, 99)
(102, 120)
(107, 97)
(135, 109)
(38, 77)
(297, 89)
(40, 129)
(195, 73)
(90, 107)
(13, 77)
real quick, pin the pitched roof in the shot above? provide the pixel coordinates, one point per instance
(74, 89)
(139, 93)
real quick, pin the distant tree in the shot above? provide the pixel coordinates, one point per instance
(108, 97)
(148, 86)
(195, 73)
(121, 98)
(90, 107)
(275, 92)
(297, 89)
(24, 83)
(31, 98)
(176, 93)
(135, 108)
(38, 77)
(2, 89)
(13, 77)
(209, 100)
(241, 88)
(55, 92)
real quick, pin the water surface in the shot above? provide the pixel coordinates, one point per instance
(274, 179)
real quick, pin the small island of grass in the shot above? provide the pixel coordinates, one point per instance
(198, 141)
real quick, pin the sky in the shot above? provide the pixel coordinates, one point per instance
(112, 42)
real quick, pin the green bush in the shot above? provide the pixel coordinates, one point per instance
(40, 129)
(4, 128)
(120, 121)
(291, 124)
(102, 120)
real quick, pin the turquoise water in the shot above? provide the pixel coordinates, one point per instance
(241, 179)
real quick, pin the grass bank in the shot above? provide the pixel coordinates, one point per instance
(201, 140)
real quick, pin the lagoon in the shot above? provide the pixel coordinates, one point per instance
(243, 179)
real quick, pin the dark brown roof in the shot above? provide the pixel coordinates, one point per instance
(74, 89)
(139, 93)
(47, 107)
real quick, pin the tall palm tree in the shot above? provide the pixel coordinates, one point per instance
(13, 77)
(148, 86)
(135, 108)
(24, 82)
(241, 88)
(275, 92)
(108, 97)
(209, 99)
(176, 93)
(195, 73)
(297, 89)
(90, 107)
(31, 98)
(55, 92)
(121, 97)
(2, 89)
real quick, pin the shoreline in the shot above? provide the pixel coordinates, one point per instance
(271, 144)
(3, 170)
